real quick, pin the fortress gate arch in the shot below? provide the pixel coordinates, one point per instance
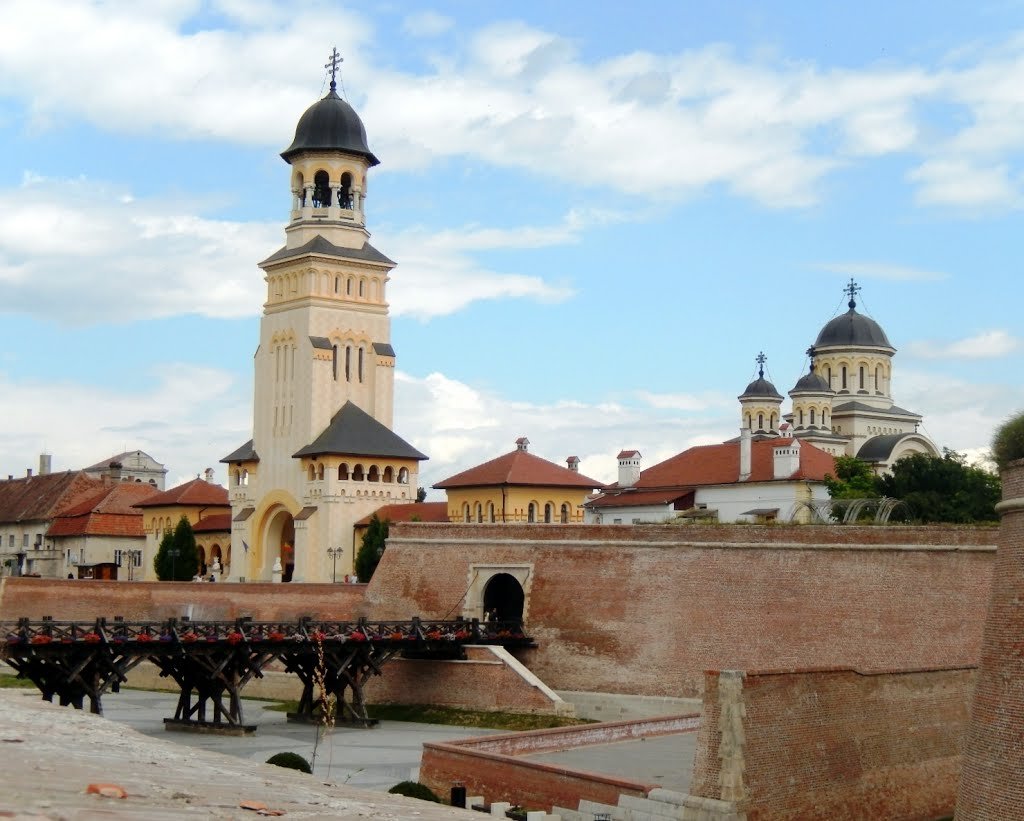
(504, 586)
(504, 596)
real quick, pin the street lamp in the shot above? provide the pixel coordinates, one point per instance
(173, 553)
(334, 553)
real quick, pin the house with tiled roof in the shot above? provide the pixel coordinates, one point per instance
(745, 480)
(100, 535)
(27, 508)
(207, 508)
(519, 487)
(130, 465)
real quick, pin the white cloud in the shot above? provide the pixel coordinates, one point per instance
(81, 424)
(879, 270)
(964, 182)
(426, 24)
(74, 250)
(985, 345)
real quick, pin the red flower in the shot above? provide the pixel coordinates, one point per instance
(357, 636)
(144, 637)
(41, 639)
(234, 638)
(92, 638)
(275, 636)
(189, 636)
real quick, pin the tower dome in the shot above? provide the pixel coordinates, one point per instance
(761, 404)
(852, 329)
(330, 124)
(760, 388)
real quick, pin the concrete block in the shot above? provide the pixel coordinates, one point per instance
(474, 801)
(658, 809)
(536, 815)
(570, 815)
(499, 808)
(595, 807)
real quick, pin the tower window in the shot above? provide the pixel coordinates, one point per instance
(360, 364)
(348, 363)
(345, 192)
(321, 190)
(362, 287)
(348, 287)
(844, 377)
(565, 514)
(878, 379)
(760, 421)
(531, 513)
(336, 284)
(549, 512)
(862, 377)
(812, 417)
(801, 417)
(334, 362)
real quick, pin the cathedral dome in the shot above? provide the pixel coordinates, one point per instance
(330, 124)
(852, 328)
(812, 382)
(760, 387)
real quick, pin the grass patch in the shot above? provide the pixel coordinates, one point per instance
(8, 682)
(452, 717)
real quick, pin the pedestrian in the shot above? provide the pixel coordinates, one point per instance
(213, 578)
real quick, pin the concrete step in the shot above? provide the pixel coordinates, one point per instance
(596, 808)
(570, 815)
(638, 809)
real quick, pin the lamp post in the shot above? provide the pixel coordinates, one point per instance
(173, 553)
(334, 553)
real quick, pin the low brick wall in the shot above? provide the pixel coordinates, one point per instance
(834, 743)
(67, 599)
(489, 679)
(491, 765)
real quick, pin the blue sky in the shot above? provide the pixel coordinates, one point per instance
(601, 214)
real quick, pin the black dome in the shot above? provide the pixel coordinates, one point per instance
(330, 124)
(812, 381)
(761, 387)
(852, 328)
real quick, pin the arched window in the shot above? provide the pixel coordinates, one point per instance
(337, 282)
(843, 378)
(812, 417)
(760, 421)
(490, 512)
(373, 475)
(772, 427)
(479, 513)
(801, 415)
(237, 476)
(549, 513)
(465, 512)
(750, 422)
(403, 476)
(362, 287)
(531, 513)
(345, 193)
(321, 190)
(861, 377)
(360, 363)
(389, 474)
(312, 472)
(334, 362)
(320, 471)
(878, 379)
(824, 418)
(565, 513)
(348, 363)
(828, 372)
(348, 287)
(343, 471)
(357, 473)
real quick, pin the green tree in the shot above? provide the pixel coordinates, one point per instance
(183, 564)
(853, 479)
(372, 548)
(1008, 443)
(943, 488)
(421, 494)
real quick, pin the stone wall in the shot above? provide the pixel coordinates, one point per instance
(834, 743)
(647, 609)
(66, 600)
(991, 786)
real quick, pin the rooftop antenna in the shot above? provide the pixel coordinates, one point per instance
(333, 65)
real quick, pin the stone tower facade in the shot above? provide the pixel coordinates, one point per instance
(322, 454)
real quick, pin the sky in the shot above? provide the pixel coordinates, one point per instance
(601, 214)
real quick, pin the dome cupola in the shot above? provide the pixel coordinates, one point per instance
(761, 403)
(330, 124)
(852, 330)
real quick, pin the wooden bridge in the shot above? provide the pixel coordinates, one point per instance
(212, 661)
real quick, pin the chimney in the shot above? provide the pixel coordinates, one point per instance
(115, 471)
(745, 458)
(208, 475)
(44, 464)
(786, 460)
(523, 444)
(573, 463)
(629, 467)
(28, 473)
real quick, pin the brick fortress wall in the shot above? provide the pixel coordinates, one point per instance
(647, 609)
(992, 786)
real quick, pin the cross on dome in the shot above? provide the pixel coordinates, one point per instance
(852, 289)
(760, 359)
(332, 65)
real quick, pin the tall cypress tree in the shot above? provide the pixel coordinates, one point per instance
(185, 563)
(371, 549)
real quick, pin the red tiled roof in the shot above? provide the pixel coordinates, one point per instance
(111, 511)
(197, 492)
(217, 523)
(38, 498)
(720, 465)
(519, 467)
(422, 511)
(627, 454)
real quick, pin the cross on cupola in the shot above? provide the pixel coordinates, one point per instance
(852, 289)
(760, 359)
(333, 65)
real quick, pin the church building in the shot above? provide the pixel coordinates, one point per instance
(323, 454)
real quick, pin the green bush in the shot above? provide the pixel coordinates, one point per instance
(291, 761)
(1008, 443)
(413, 789)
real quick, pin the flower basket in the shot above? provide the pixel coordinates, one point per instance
(397, 636)
(275, 636)
(190, 636)
(234, 638)
(92, 638)
(317, 635)
(14, 639)
(357, 636)
(462, 635)
(434, 635)
(144, 637)
(40, 639)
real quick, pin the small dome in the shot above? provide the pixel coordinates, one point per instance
(330, 124)
(852, 328)
(761, 388)
(812, 382)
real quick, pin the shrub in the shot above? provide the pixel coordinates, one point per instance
(413, 789)
(1008, 443)
(291, 761)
